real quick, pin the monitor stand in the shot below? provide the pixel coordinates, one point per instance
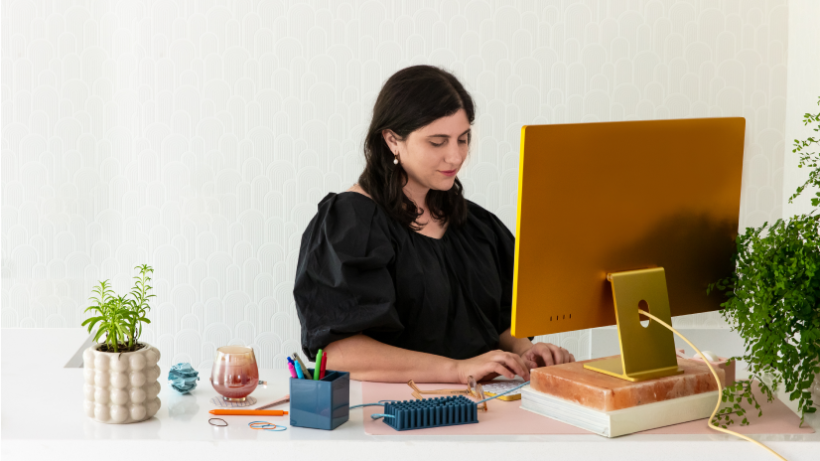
(646, 352)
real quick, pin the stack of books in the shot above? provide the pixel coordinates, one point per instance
(611, 407)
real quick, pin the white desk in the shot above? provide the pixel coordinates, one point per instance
(42, 418)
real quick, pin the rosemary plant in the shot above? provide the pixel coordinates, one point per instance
(118, 318)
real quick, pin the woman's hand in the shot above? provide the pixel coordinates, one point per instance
(545, 355)
(491, 364)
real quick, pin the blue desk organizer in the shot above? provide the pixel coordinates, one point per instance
(441, 411)
(322, 404)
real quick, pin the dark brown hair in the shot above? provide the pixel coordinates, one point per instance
(410, 99)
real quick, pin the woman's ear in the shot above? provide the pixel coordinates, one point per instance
(392, 140)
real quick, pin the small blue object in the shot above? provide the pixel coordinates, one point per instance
(420, 414)
(183, 377)
(320, 404)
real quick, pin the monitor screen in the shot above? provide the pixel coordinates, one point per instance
(596, 198)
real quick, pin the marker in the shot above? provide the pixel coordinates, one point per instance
(304, 369)
(317, 365)
(299, 374)
(324, 365)
(292, 370)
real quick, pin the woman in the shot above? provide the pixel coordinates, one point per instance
(400, 277)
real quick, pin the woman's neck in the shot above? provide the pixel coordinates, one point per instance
(417, 193)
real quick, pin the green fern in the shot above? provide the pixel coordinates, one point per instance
(774, 302)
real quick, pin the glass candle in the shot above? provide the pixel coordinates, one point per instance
(234, 374)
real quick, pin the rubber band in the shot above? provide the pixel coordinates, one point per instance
(278, 428)
(217, 425)
(266, 426)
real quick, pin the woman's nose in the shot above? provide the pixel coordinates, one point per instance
(453, 155)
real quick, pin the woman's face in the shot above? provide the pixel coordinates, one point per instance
(433, 155)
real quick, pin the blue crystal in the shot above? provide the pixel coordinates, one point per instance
(183, 377)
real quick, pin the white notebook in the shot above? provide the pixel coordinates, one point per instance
(624, 421)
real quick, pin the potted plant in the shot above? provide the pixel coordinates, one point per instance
(121, 372)
(774, 303)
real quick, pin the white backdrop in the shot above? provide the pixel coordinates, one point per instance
(198, 136)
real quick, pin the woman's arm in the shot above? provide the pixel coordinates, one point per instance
(510, 343)
(534, 355)
(369, 360)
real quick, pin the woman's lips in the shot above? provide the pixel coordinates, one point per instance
(449, 173)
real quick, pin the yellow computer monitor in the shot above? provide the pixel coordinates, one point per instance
(598, 198)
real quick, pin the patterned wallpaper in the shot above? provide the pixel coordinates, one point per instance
(198, 136)
(803, 93)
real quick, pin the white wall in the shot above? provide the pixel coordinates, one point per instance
(803, 82)
(198, 136)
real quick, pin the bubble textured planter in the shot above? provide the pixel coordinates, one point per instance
(121, 387)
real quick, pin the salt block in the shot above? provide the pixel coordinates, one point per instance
(573, 382)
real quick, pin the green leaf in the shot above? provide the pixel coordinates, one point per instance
(100, 332)
(91, 322)
(120, 318)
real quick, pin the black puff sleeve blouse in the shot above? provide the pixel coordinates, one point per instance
(359, 271)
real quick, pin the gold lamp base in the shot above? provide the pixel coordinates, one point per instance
(646, 352)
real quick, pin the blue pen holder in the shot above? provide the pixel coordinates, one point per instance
(322, 404)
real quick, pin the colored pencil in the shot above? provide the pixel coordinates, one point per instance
(274, 403)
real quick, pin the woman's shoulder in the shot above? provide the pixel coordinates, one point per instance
(348, 222)
(474, 209)
(353, 197)
(349, 206)
(476, 212)
(479, 219)
(358, 189)
(349, 211)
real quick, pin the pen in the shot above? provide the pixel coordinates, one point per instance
(250, 412)
(317, 365)
(302, 366)
(292, 370)
(323, 366)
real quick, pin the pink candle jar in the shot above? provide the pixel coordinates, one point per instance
(235, 374)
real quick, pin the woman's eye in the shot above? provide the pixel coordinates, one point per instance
(462, 141)
(437, 145)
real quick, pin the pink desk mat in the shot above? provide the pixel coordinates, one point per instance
(506, 417)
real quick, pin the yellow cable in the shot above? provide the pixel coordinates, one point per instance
(720, 388)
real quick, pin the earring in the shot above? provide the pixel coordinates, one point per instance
(395, 159)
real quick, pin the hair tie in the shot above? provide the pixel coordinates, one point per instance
(217, 425)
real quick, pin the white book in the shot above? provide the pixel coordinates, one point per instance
(624, 421)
